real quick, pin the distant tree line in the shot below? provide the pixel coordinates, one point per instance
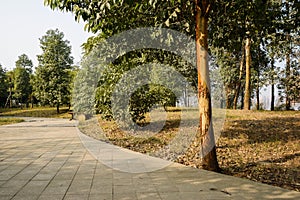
(49, 84)
(246, 40)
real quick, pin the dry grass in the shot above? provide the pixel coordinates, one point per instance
(36, 112)
(5, 121)
(260, 146)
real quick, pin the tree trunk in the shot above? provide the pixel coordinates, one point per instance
(248, 75)
(257, 97)
(288, 62)
(257, 86)
(287, 77)
(272, 86)
(242, 97)
(228, 98)
(10, 98)
(57, 108)
(236, 95)
(205, 131)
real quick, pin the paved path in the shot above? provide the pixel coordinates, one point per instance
(46, 159)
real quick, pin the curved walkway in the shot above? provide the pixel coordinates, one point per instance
(46, 159)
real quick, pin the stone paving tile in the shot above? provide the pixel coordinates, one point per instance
(76, 197)
(25, 197)
(51, 163)
(100, 189)
(55, 190)
(51, 197)
(65, 175)
(102, 181)
(2, 197)
(167, 188)
(147, 196)
(34, 188)
(125, 196)
(9, 191)
(123, 189)
(202, 196)
(170, 196)
(48, 175)
(146, 188)
(14, 183)
(2, 183)
(80, 187)
(101, 196)
(123, 181)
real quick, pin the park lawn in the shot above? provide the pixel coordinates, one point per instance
(262, 146)
(5, 121)
(49, 112)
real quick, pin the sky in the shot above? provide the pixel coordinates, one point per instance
(23, 22)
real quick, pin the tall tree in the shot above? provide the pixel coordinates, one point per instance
(53, 75)
(22, 85)
(105, 17)
(205, 133)
(10, 81)
(239, 29)
(290, 43)
(25, 62)
(3, 86)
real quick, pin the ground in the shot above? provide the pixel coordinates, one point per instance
(4, 121)
(263, 146)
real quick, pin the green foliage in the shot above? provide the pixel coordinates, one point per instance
(104, 16)
(6, 121)
(53, 78)
(266, 22)
(97, 81)
(25, 62)
(293, 81)
(3, 86)
(22, 73)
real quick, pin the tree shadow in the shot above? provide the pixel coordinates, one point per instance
(270, 171)
(271, 129)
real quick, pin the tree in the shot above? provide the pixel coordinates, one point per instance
(237, 32)
(25, 62)
(289, 40)
(53, 78)
(22, 85)
(205, 132)
(105, 17)
(3, 86)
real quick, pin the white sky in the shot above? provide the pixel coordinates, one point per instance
(23, 22)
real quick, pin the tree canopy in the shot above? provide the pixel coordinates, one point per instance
(53, 78)
(22, 73)
(239, 36)
(3, 86)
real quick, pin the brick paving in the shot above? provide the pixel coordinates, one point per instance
(47, 159)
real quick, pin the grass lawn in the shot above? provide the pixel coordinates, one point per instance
(5, 121)
(263, 146)
(36, 112)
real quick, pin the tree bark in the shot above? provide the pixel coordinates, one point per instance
(229, 101)
(57, 108)
(288, 62)
(257, 86)
(257, 97)
(287, 77)
(272, 86)
(248, 75)
(236, 95)
(205, 131)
